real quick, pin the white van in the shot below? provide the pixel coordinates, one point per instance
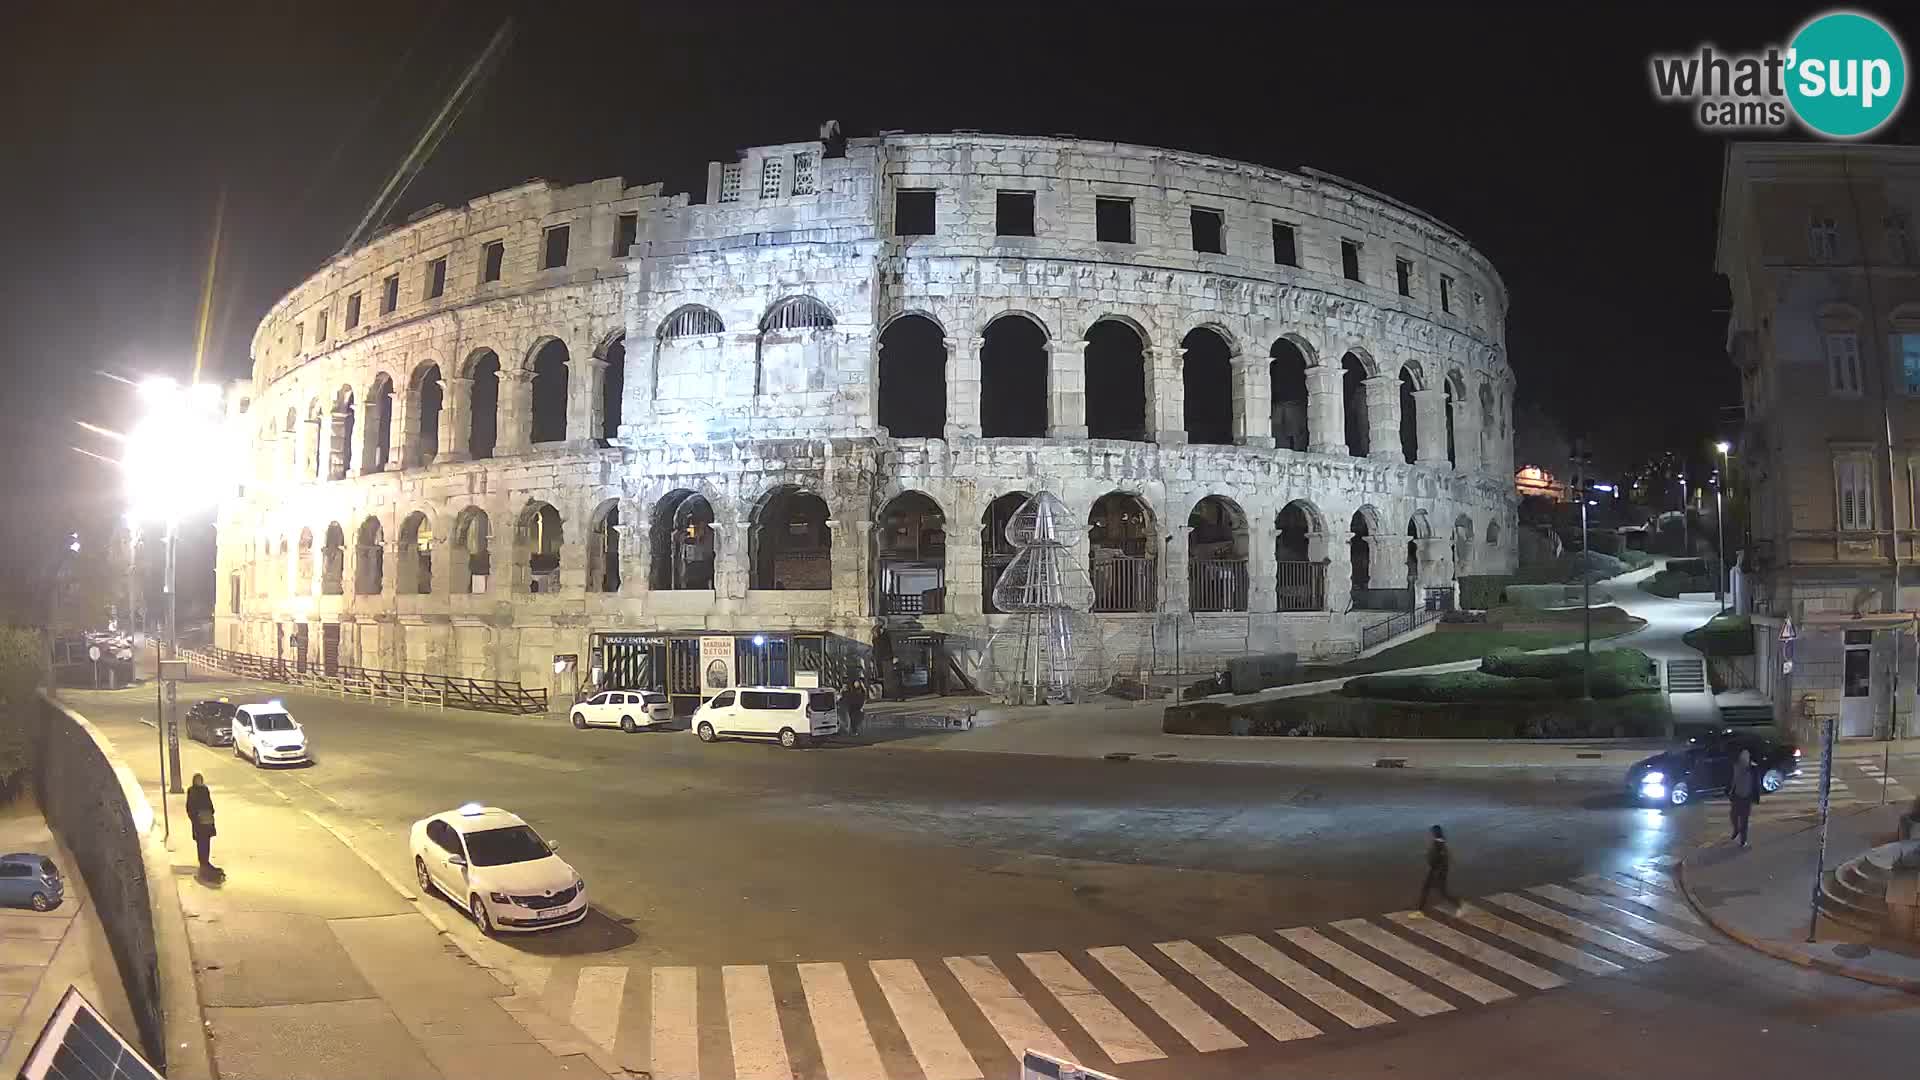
(768, 712)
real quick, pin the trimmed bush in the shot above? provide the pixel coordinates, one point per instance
(1671, 583)
(1615, 671)
(1455, 686)
(1635, 558)
(1722, 635)
(1339, 716)
(21, 666)
(1479, 592)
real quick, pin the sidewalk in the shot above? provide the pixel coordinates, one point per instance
(1762, 896)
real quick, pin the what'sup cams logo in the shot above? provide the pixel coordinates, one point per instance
(1842, 76)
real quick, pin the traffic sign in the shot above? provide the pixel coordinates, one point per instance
(93, 653)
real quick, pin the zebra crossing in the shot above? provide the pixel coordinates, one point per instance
(971, 1017)
(1799, 796)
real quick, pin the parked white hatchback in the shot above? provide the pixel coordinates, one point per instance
(495, 865)
(269, 735)
(795, 717)
(628, 710)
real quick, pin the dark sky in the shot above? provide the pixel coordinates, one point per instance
(1533, 134)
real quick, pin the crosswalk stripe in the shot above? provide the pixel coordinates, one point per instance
(532, 979)
(676, 1029)
(1655, 878)
(1367, 973)
(1474, 949)
(1424, 962)
(1119, 1039)
(1539, 943)
(1274, 1018)
(1659, 932)
(1306, 982)
(1018, 1025)
(753, 1023)
(1643, 896)
(596, 1003)
(846, 1046)
(1579, 928)
(1190, 1021)
(936, 1046)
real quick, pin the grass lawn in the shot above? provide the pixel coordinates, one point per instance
(1445, 646)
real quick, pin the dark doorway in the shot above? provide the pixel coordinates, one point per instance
(485, 373)
(913, 378)
(1353, 392)
(550, 393)
(612, 386)
(1208, 381)
(1116, 382)
(1013, 379)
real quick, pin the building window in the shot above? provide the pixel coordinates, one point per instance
(1446, 294)
(1209, 231)
(353, 311)
(1113, 220)
(771, 171)
(626, 235)
(390, 294)
(730, 183)
(1906, 351)
(1823, 239)
(1350, 259)
(1013, 213)
(437, 278)
(803, 173)
(1899, 238)
(320, 327)
(1843, 362)
(299, 336)
(1285, 253)
(1403, 276)
(492, 258)
(553, 252)
(1853, 487)
(912, 213)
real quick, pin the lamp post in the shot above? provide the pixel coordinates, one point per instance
(1583, 463)
(1719, 521)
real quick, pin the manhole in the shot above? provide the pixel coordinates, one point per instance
(1852, 950)
(1594, 756)
(1165, 756)
(1120, 755)
(1390, 763)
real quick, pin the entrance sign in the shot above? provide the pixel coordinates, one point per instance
(1786, 646)
(716, 664)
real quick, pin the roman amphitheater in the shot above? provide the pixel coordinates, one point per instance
(594, 436)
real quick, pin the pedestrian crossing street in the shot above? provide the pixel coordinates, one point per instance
(970, 1017)
(1798, 800)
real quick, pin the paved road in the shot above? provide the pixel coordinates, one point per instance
(843, 910)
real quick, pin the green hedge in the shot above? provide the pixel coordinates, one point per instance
(1454, 686)
(1615, 671)
(1516, 676)
(1635, 558)
(1671, 583)
(1338, 716)
(20, 673)
(1478, 592)
(1722, 635)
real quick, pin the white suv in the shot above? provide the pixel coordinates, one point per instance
(269, 735)
(795, 717)
(495, 865)
(628, 710)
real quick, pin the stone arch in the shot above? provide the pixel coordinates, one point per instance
(548, 413)
(790, 541)
(796, 313)
(538, 534)
(1409, 412)
(1218, 545)
(333, 560)
(317, 415)
(603, 548)
(1014, 369)
(1488, 424)
(782, 358)
(413, 564)
(1418, 528)
(996, 551)
(428, 394)
(1455, 386)
(303, 571)
(1363, 530)
(912, 388)
(683, 543)
(483, 426)
(1493, 532)
(1208, 384)
(1124, 541)
(1462, 544)
(379, 424)
(910, 556)
(690, 320)
(472, 553)
(1354, 373)
(1287, 364)
(340, 446)
(1300, 560)
(613, 385)
(369, 558)
(1116, 380)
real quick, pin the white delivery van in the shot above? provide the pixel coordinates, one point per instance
(794, 716)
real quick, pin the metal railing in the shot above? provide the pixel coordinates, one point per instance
(930, 602)
(1217, 585)
(1301, 586)
(405, 687)
(991, 567)
(1123, 583)
(1400, 622)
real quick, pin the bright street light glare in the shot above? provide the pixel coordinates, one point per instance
(177, 456)
(1723, 447)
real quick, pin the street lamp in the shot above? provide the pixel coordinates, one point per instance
(1583, 466)
(1719, 521)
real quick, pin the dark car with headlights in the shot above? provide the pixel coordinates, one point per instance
(1704, 766)
(211, 722)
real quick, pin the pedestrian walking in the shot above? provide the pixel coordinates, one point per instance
(1743, 790)
(200, 812)
(1438, 862)
(855, 700)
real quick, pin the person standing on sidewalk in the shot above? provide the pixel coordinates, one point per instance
(200, 812)
(855, 700)
(1439, 861)
(1743, 790)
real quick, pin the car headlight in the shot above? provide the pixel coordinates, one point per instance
(580, 884)
(1653, 779)
(500, 898)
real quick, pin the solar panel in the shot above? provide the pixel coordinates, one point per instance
(79, 1044)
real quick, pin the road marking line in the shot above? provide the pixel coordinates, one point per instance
(1424, 962)
(1306, 982)
(1580, 928)
(596, 1003)
(1119, 1039)
(1018, 1025)
(846, 1046)
(676, 1028)
(1367, 973)
(1643, 876)
(1189, 1020)
(1539, 943)
(1274, 1018)
(532, 979)
(753, 1022)
(1659, 932)
(936, 1046)
(1643, 896)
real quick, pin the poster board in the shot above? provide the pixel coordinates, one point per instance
(716, 665)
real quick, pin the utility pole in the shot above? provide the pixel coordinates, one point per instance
(170, 720)
(1582, 465)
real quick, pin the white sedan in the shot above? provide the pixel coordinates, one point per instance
(269, 735)
(628, 710)
(493, 864)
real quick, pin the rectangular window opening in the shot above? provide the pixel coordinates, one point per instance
(1823, 239)
(437, 278)
(1285, 253)
(1446, 294)
(1403, 276)
(913, 213)
(1350, 259)
(803, 181)
(553, 253)
(1113, 220)
(1209, 231)
(390, 294)
(1853, 476)
(1013, 213)
(771, 171)
(493, 259)
(626, 235)
(353, 311)
(730, 182)
(320, 327)
(1843, 362)
(1906, 347)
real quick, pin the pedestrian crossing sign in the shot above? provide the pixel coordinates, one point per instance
(1035, 1065)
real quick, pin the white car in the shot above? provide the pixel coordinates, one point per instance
(269, 735)
(498, 868)
(628, 710)
(795, 717)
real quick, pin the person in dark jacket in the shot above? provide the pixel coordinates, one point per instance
(200, 812)
(854, 697)
(1743, 790)
(1438, 862)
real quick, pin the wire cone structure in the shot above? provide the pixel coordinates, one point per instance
(1050, 652)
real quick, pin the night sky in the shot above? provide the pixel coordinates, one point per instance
(1534, 135)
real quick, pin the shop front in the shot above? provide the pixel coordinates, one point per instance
(692, 666)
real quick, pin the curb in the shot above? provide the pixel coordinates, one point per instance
(1791, 955)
